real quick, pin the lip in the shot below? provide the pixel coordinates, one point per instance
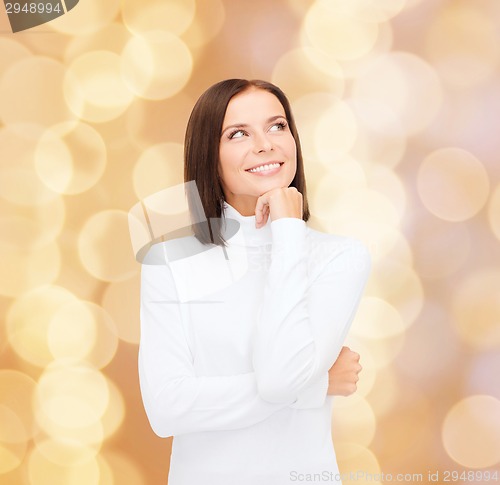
(266, 172)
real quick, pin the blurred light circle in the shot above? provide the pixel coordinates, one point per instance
(105, 345)
(24, 270)
(12, 428)
(11, 454)
(147, 123)
(302, 71)
(400, 286)
(462, 43)
(66, 452)
(471, 432)
(114, 36)
(18, 231)
(352, 456)
(384, 392)
(28, 321)
(406, 84)
(476, 308)
(336, 132)
(494, 212)
(368, 215)
(384, 43)
(123, 468)
(413, 413)
(345, 174)
(173, 16)
(158, 167)
(327, 28)
(353, 420)
(118, 303)
(94, 88)
(91, 435)
(412, 3)
(104, 246)
(72, 331)
(16, 393)
(19, 182)
(379, 11)
(31, 92)
(434, 332)
(156, 64)
(42, 471)
(73, 276)
(479, 374)
(363, 205)
(16, 423)
(31, 227)
(386, 181)
(73, 396)
(70, 158)
(377, 319)
(105, 472)
(208, 22)
(87, 18)
(12, 51)
(445, 252)
(453, 184)
(381, 352)
(383, 240)
(307, 110)
(114, 415)
(376, 116)
(328, 128)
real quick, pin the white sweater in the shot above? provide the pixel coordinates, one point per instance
(235, 349)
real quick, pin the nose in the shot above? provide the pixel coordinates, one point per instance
(262, 143)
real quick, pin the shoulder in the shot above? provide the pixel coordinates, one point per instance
(341, 252)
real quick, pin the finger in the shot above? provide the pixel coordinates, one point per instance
(265, 216)
(262, 202)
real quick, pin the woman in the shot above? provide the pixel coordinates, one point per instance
(243, 374)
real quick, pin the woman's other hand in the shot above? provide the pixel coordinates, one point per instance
(278, 203)
(343, 375)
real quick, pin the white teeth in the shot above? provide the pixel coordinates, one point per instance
(263, 168)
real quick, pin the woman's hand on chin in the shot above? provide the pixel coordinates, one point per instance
(278, 203)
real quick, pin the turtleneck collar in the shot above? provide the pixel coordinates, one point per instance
(247, 234)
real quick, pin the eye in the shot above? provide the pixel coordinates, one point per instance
(280, 126)
(236, 134)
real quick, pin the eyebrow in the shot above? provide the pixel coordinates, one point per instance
(244, 125)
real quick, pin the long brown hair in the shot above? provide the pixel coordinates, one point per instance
(201, 151)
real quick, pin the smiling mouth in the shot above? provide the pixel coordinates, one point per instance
(265, 167)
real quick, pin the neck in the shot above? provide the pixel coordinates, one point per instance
(244, 204)
(244, 233)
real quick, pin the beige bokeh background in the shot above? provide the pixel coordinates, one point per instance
(397, 105)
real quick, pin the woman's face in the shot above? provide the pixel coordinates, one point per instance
(257, 150)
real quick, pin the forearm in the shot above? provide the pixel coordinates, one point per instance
(304, 317)
(190, 404)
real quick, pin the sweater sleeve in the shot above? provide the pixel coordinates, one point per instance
(176, 400)
(305, 317)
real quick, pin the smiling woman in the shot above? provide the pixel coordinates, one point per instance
(243, 376)
(238, 125)
(258, 155)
